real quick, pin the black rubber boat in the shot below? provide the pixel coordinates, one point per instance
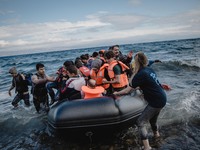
(97, 114)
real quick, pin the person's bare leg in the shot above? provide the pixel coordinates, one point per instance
(146, 144)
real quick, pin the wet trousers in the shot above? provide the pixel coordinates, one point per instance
(50, 86)
(37, 100)
(149, 115)
(19, 97)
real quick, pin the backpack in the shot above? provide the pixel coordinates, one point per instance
(28, 78)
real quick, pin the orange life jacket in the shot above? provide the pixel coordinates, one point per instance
(102, 51)
(92, 93)
(123, 76)
(85, 71)
(99, 76)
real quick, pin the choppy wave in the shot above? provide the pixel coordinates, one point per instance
(189, 105)
(193, 64)
(23, 128)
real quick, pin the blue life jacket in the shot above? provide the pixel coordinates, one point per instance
(28, 78)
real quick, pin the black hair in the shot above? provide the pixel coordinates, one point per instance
(72, 69)
(101, 52)
(78, 62)
(84, 57)
(39, 65)
(68, 63)
(95, 54)
(112, 47)
(87, 55)
(109, 54)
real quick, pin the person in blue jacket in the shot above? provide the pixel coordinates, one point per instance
(146, 79)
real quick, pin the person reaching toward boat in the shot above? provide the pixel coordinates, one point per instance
(39, 90)
(146, 79)
(21, 87)
(150, 63)
(57, 84)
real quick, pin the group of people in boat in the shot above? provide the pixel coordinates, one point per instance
(104, 73)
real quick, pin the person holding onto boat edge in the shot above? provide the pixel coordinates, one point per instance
(21, 87)
(146, 79)
(57, 84)
(116, 72)
(39, 90)
(150, 63)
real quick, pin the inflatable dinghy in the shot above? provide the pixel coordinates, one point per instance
(96, 113)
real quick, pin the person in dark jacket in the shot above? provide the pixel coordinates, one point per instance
(146, 79)
(21, 87)
(126, 59)
(39, 90)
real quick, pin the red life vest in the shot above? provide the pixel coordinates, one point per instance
(85, 71)
(59, 72)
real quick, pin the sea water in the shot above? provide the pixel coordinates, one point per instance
(179, 121)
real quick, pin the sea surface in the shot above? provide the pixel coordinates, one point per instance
(23, 129)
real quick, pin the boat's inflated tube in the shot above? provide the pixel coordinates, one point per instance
(96, 112)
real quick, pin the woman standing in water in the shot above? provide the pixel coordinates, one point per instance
(146, 79)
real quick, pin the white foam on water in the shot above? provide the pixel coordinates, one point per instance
(191, 62)
(190, 104)
(22, 113)
(185, 107)
(25, 114)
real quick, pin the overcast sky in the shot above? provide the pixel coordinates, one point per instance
(28, 26)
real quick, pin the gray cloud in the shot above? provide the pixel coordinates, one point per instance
(123, 21)
(135, 2)
(98, 30)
